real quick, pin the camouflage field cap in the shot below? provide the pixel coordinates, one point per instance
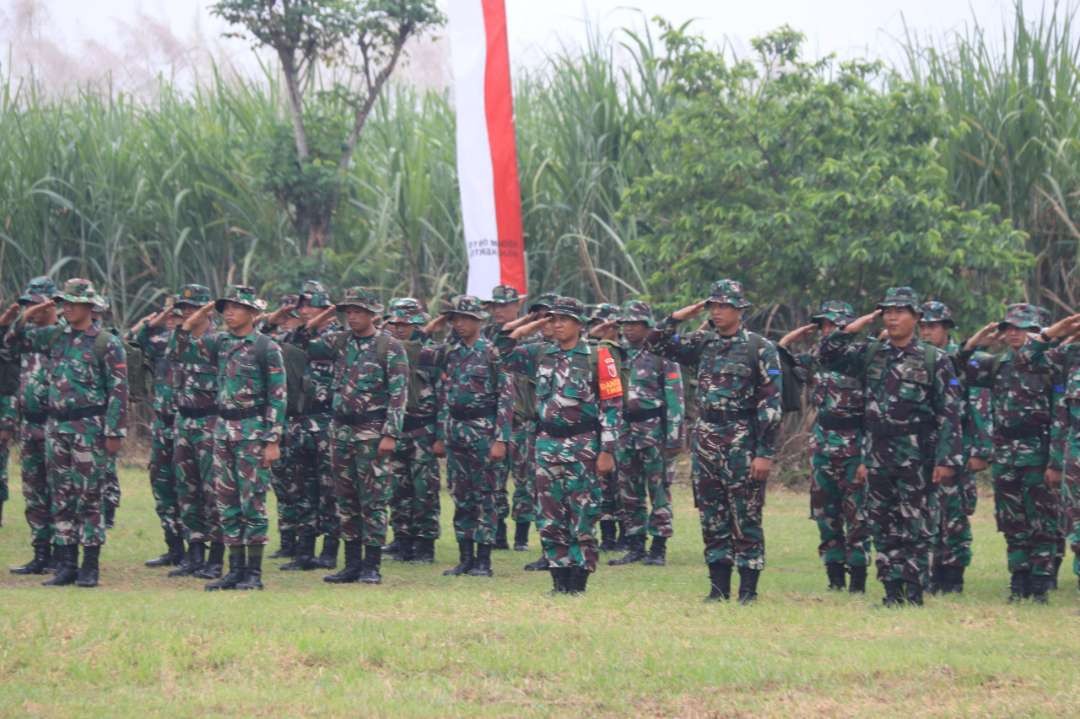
(406, 310)
(934, 311)
(728, 292)
(1022, 316)
(290, 299)
(505, 295)
(361, 297)
(603, 312)
(37, 291)
(543, 302)
(1045, 317)
(78, 291)
(637, 311)
(568, 307)
(194, 295)
(901, 297)
(468, 306)
(242, 295)
(314, 294)
(835, 311)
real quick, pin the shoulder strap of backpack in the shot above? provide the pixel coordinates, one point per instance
(930, 355)
(756, 341)
(382, 348)
(262, 348)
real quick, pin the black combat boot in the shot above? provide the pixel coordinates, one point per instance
(328, 557)
(372, 565)
(193, 560)
(408, 549)
(857, 585)
(657, 553)
(211, 569)
(635, 553)
(835, 572)
(500, 536)
(88, 572)
(482, 566)
(538, 566)
(465, 559)
(425, 551)
(1018, 586)
(558, 586)
(573, 579)
(748, 579)
(236, 572)
(252, 569)
(622, 541)
(354, 564)
(1040, 588)
(894, 593)
(39, 564)
(607, 535)
(952, 580)
(303, 554)
(719, 582)
(287, 549)
(913, 593)
(174, 553)
(67, 566)
(521, 537)
(393, 549)
(110, 515)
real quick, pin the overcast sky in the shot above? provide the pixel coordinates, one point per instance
(134, 40)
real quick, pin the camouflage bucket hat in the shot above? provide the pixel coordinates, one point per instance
(728, 292)
(241, 295)
(835, 311)
(1045, 317)
(637, 311)
(406, 310)
(38, 290)
(505, 295)
(603, 312)
(901, 297)
(360, 297)
(194, 295)
(934, 311)
(543, 302)
(568, 307)
(1022, 316)
(78, 291)
(290, 299)
(315, 295)
(468, 306)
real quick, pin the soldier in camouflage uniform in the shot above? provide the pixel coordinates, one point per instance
(912, 435)
(369, 391)
(579, 402)
(414, 466)
(951, 546)
(31, 404)
(87, 415)
(739, 414)
(603, 330)
(1027, 414)
(650, 439)
(476, 408)
(1045, 320)
(247, 433)
(110, 491)
(837, 501)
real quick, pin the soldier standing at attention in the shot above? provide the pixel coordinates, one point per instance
(738, 396)
(247, 434)
(913, 435)
(603, 329)
(87, 416)
(836, 499)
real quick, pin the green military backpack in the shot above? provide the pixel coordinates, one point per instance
(299, 389)
(140, 370)
(791, 387)
(9, 373)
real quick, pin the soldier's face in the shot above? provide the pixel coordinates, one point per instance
(307, 312)
(548, 330)
(400, 330)
(466, 327)
(1015, 337)
(359, 319)
(77, 314)
(936, 333)
(899, 322)
(826, 328)
(501, 314)
(564, 330)
(237, 317)
(172, 321)
(724, 317)
(634, 332)
(46, 318)
(188, 310)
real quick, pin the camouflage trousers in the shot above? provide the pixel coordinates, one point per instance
(193, 460)
(285, 480)
(4, 454)
(522, 446)
(568, 499)
(643, 480)
(475, 481)
(1027, 512)
(240, 484)
(362, 487)
(1070, 501)
(414, 507)
(110, 493)
(951, 545)
(314, 508)
(35, 487)
(898, 515)
(838, 506)
(76, 466)
(729, 503)
(163, 478)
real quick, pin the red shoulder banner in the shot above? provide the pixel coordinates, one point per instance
(607, 373)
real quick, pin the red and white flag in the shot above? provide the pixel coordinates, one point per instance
(486, 148)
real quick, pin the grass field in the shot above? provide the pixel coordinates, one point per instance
(640, 643)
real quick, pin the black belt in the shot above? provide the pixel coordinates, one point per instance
(166, 419)
(566, 431)
(235, 414)
(416, 421)
(464, 414)
(192, 413)
(884, 431)
(837, 424)
(642, 415)
(1022, 432)
(723, 416)
(70, 415)
(354, 420)
(35, 417)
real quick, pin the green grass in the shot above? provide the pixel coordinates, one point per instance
(640, 643)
